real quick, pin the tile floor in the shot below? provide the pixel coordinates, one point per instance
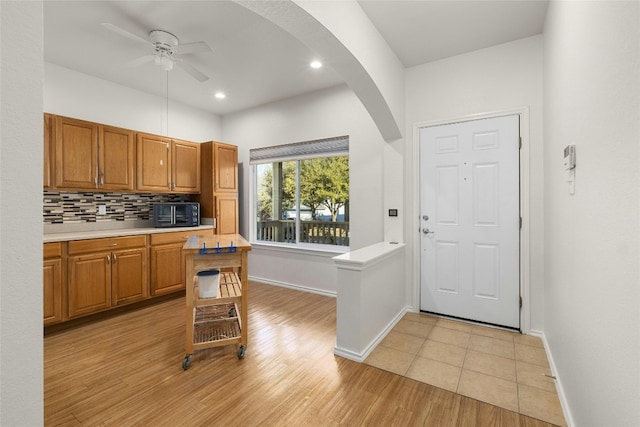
(495, 366)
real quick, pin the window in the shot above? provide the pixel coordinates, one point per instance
(301, 193)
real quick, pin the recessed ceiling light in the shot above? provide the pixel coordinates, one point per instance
(220, 95)
(315, 64)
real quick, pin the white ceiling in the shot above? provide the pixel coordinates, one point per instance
(253, 61)
(425, 31)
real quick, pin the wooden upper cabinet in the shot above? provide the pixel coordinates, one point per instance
(48, 138)
(168, 165)
(93, 156)
(153, 163)
(76, 152)
(116, 159)
(226, 167)
(186, 167)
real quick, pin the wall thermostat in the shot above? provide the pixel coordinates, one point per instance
(393, 212)
(569, 157)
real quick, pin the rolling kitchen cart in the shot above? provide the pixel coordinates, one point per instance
(221, 320)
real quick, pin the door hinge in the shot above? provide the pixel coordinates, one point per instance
(520, 302)
(520, 144)
(520, 223)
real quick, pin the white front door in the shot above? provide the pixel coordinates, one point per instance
(470, 220)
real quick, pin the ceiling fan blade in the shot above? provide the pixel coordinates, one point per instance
(192, 71)
(193, 47)
(125, 33)
(139, 61)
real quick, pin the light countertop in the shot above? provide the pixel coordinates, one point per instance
(64, 236)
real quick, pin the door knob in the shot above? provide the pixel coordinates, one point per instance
(425, 217)
(427, 231)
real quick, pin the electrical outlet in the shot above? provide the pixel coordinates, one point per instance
(102, 209)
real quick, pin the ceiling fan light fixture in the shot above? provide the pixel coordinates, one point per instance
(168, 51)
(315, 64)
(220, 95)
(164, 61)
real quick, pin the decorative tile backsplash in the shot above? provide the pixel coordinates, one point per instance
(65, 207)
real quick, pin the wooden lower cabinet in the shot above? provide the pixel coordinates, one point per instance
(106, 272)
(89, 283)
(129, 280)
(83, 277)
(167, 262)
(52, 275)
(226, 214)
(166, 268)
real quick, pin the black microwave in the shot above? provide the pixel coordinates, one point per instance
(176, 214)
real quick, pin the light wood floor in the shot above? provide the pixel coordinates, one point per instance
(126, 371)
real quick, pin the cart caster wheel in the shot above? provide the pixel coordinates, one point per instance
(232, 313)
(186, 363)
(241, 351)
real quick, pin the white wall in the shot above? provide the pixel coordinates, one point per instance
(73, 94)
(332, 112)
(495, 79)
(370, 298)
(592, 303)
(21, 74)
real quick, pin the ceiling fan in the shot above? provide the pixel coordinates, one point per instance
(168, 51)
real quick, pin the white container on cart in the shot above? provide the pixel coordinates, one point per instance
(209, 283)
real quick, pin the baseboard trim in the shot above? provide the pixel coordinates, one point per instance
(293, 286)
(360, 357)
(559, 389)
(348, 354)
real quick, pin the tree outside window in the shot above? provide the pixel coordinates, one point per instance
(303, 201)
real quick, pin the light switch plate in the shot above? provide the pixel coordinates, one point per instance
(102, 209)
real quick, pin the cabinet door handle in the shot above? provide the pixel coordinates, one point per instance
(101, 179)
(115, 258)
(112, 244)
(108, 259)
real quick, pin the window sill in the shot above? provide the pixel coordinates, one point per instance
(311, 249)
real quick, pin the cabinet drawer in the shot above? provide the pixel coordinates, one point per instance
(177, 237)
(52, 250)
(114, 243)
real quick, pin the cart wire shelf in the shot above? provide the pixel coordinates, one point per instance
(216, 323)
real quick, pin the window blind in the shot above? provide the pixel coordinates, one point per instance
(329, 147)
